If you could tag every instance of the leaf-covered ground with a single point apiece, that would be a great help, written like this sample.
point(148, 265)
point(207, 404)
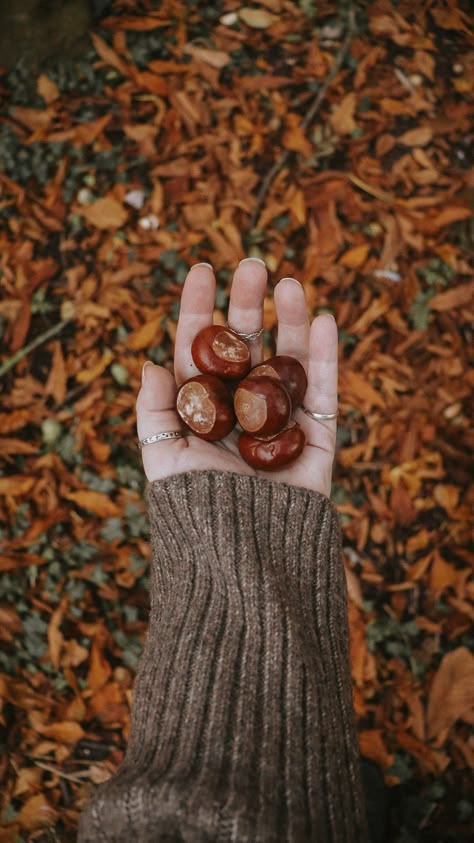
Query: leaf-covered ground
point(119, 171)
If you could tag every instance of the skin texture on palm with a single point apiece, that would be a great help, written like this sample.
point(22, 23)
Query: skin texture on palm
point(314, 344)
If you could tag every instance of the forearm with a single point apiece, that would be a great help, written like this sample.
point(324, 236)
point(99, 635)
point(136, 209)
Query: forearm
point(242, 725)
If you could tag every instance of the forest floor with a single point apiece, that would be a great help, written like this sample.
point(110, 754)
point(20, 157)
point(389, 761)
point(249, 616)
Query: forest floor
point(120, 169)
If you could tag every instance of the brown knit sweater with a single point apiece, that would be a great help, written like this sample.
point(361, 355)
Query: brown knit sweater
point(242, 722)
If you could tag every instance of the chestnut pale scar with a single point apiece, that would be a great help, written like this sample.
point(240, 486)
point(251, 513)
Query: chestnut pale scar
point(250, 409)
point(228, 347)
point(195, 408)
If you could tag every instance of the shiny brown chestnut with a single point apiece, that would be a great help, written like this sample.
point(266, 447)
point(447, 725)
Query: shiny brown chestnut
point(262, 405)
point(205, 405)
point(220, 351)
point(272, 452)
point(287, 369)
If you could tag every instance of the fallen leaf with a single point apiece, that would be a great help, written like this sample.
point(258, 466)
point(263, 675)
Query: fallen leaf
point(256, 18)
point(416, 137)
point(342, 116)
point(355, 257)
point(95, 502)
point(452, 692)
point(453, 298)
point(105, 213)
point(36, 813)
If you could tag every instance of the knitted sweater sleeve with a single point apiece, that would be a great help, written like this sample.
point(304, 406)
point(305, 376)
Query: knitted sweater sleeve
point(242, 721)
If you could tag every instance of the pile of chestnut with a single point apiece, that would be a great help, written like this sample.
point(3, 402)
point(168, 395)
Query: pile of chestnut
point(261, 400)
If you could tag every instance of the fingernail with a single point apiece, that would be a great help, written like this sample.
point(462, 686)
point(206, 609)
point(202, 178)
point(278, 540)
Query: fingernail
point(147, 363)
point(259, 260)
point(201, 264)
point(288, 278)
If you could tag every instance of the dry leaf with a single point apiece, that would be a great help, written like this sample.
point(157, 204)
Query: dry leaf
point(256, 18)
point(452, 692)
point(416, 137)
point(36, 813)
point(355, 257)
point(342, 116)
point(95, 502)
point(105, 213)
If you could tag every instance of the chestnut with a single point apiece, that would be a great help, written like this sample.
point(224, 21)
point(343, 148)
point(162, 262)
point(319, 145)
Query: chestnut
point(287, 369)
point(262, 405)
point(205, 405)
point(220, 351)
point(272, 452)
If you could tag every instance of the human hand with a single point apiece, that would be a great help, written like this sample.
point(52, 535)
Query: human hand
point(314, 345)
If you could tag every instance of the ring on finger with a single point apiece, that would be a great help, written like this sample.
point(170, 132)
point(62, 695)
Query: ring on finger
point(254, 335)
point(321, 416)
point(157, 437)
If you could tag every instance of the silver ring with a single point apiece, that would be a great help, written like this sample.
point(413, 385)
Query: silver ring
point(321, 416)
point(157, 437)
point(248, 337)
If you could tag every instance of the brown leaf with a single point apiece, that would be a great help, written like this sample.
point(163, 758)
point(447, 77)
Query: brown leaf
point(416, 137)
point(355, 257)
point(36, 813)
point(96, 502)
point(16, 484)
point(105, 213)
point(256, 18)
point(371, 744)
point(100, 669)
point(55, 637)
point(57, 378)
point(47, 89)
point(453, 298)
point(342, 117)
point(448, 215)
point(149, 334)
point(452, 692)
point(66, 731)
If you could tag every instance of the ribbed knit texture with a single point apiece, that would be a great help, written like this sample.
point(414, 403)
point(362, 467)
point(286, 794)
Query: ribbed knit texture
point(242, 721)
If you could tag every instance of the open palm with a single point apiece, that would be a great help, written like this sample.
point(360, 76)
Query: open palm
point(314, 345)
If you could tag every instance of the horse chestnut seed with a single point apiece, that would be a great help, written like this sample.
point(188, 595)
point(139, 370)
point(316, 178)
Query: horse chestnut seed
point(205, 406)
point(262, 405)
point(219, 351)
point(287, 369)
point(272, 452)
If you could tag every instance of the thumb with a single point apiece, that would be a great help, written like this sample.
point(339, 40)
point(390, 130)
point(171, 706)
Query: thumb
point(156, 406)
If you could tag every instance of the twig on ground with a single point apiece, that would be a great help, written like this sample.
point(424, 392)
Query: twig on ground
point(39, 340)
point(310, 115)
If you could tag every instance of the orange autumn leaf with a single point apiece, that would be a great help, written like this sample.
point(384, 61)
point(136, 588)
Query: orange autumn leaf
point(105, 213)
point(36, 813)
point(96, 502)
point(47, 89)
point(355, 257)
point(57, 379)
point(16, 484)
point(452, 692)
point(371, 744)
point(342, 116)
point(447, 496)
point(55, 637)
point(100, 669)
point(88, 375)
point(453, 298)
point(66, 731)
point(416, 137)
point(149, 334)
point(359, 391)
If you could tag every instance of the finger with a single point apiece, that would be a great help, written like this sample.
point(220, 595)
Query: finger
point(293, 320)
point(156, 413)
point(249, 287)
point(196, 312)
point(321, 393)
